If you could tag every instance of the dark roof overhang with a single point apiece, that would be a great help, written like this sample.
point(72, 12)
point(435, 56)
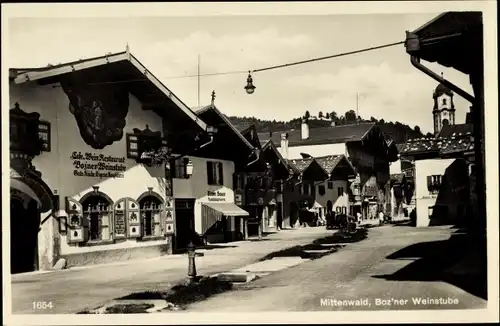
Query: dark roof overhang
point(452, 39)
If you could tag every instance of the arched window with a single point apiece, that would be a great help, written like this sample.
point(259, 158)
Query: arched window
point(444, 101)
point(151, 208)
point(97, 215)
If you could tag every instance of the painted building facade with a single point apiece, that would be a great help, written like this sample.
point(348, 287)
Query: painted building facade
point(84, 197)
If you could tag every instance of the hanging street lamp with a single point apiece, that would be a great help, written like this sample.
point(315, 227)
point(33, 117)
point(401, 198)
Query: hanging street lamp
point(249, 88)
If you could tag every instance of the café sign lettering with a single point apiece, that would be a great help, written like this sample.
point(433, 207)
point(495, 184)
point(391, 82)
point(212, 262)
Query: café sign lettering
point(216, 195)
point(97, 165)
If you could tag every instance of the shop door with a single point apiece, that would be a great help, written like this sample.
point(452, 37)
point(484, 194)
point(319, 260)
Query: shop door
point(24, 224)
point(184, 223)
point(279, 215)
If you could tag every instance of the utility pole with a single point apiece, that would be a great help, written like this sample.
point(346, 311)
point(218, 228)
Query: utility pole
point(198, 79)
point(357, 108)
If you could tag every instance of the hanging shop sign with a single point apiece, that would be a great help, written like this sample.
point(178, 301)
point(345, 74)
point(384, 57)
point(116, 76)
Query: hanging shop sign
point(97, 165)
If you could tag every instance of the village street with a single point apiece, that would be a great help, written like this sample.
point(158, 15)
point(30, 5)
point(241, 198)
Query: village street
point(76, 289)
point(359, 271)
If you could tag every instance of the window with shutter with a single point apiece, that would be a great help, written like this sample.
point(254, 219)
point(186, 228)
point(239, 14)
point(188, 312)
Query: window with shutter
point(221, 174)
point(97, 216)
point(210, 175)
point(150, 210)
point(75, 230)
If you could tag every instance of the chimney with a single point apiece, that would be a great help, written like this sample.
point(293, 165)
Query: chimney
point(304, 129)
point(284, 144)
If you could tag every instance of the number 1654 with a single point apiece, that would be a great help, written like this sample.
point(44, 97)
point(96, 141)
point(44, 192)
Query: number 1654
point(42, 305)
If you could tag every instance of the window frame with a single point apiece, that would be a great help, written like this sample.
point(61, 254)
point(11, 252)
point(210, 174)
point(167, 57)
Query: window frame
point(215, 173)
point(87, 240)
point(159, 209)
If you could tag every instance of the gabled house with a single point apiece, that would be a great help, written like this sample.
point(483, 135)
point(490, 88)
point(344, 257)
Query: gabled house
point(443, 173)
point(332, 195)
point(78, 188)
point(365, 146)
point(217, 216)
point(261, 186)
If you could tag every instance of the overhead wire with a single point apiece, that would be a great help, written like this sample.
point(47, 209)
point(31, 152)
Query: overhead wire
point(236, 72)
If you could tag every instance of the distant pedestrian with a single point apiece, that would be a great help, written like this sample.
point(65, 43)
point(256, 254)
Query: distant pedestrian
point(381, 217)
point(358, 217)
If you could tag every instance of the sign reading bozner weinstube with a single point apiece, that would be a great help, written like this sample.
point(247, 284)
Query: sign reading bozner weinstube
point(97, 165)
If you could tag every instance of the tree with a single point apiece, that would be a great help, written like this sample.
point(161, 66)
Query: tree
point(417, 129)
point(350, 116)
point(320, 114)
point(372, 119)
point(327, 115)
point(382, 121)
point(307, 115)
point(429, 135)
point(334, 116)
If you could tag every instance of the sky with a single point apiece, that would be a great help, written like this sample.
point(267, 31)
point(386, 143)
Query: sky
point(389, 87)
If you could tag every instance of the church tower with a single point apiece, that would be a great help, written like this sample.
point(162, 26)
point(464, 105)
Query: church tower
point(444, 108)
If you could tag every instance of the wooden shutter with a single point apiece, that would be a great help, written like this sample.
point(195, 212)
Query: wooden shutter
point(429, 182)
point(235, 181)
point(210, 176)
point(76, 231)
point(221, 173)
point(132, 146)
point(157, 225)
point(133, 218)
point(75, 212)
point(120, 220)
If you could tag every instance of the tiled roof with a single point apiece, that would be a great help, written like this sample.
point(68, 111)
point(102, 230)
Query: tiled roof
point(443, 145)
point(328, 163)
point(301, 164)
point(456, 130)
point(323, 135)
point(457, 146)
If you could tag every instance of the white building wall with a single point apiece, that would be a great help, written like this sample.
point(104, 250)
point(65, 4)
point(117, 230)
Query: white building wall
point(395, 167)
point(423, 198)
point(333, 195)
point(196, 187)
point(58, 168)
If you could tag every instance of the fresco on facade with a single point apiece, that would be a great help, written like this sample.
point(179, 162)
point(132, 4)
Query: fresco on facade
point(99, 111)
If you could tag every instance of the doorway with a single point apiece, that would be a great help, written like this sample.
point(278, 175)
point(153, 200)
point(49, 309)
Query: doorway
point(184, 223)
point(279, 215)
point(294, 214)
point(24, 225)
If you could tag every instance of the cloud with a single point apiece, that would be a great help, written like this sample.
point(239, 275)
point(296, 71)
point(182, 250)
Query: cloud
point(388, 85)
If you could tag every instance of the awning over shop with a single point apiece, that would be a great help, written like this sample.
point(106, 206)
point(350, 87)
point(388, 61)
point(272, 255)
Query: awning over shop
point(228, 209)
point(213, 212)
